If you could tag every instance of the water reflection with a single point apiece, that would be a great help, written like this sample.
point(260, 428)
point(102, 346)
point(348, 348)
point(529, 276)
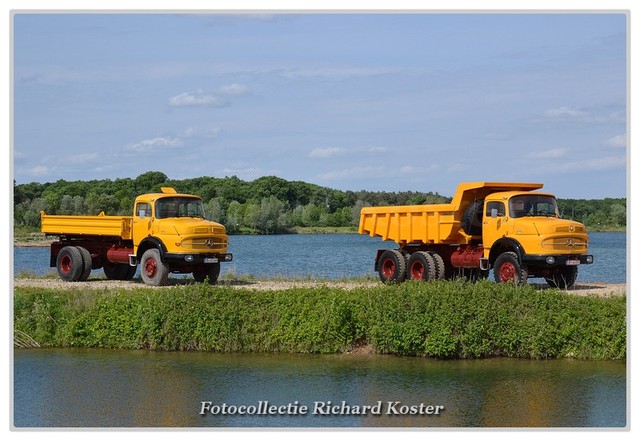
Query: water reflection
point(103, 388)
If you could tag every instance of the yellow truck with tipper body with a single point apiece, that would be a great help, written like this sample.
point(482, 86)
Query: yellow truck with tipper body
point(505, 226)
point(166, 234)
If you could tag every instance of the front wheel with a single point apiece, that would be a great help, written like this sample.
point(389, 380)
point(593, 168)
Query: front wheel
point(507, 268)
point(563, 277)
point(204, 272)
point(153, 271)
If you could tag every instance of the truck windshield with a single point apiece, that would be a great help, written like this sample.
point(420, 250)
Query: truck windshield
point(179, 207)
point(533, 205)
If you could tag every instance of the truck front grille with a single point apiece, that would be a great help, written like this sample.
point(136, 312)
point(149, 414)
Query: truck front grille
point(218, 244)
point(565, 245)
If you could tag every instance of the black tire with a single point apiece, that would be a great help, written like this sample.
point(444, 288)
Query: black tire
point(69, 264)
point(472, 218)
point(507, 268)
point(392, 266)
point(421, 266)
point(119, 271)
point(153, 271)
point(563, 277)
point(87, 263)
point(209, 272)
point(439, 265)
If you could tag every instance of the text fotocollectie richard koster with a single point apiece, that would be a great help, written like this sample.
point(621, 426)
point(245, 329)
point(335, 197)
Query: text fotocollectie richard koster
point(321, 408)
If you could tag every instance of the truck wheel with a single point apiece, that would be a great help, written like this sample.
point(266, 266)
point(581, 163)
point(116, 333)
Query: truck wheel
point(69, 264)
point(508, 269)
point(153, 271)
point(392, 266)
point(87, 263)
point(563, 277)
point(119, 271)
point(211, 271)
point(472, 218)
point(439, 265)
point(421, 266)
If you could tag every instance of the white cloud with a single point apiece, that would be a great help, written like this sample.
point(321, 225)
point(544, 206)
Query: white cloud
point(589, 165)
point(332, 152)
point(412, 169)
point(328, 152)
point(356, 172)
point(197, 98)
point(201, 98)
point(82, 158)
point(149, 145)
point(195, 132)
point(234, 89)
point(619, 141)
point(565, 113)
point(549, 154)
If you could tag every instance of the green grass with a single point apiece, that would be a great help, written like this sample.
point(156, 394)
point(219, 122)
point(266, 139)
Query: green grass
point(440, 319)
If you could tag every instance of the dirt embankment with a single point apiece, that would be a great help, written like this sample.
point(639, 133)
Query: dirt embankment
point(584, 289)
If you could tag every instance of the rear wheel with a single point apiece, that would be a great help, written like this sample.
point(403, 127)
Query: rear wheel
point(563, 277)
point(69, 264)
point(421, 266)
point(154, 272)
point(439, 265)
point(392, 266)
point(507, 268)
point(86, 263)
point(210, 271)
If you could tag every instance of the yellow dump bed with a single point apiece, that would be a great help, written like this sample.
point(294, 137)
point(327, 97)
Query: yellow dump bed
point(432, 224)
point(101, 225)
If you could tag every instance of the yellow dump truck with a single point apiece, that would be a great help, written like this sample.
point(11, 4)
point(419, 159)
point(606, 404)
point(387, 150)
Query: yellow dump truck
point(505, 226)
point(166, 234)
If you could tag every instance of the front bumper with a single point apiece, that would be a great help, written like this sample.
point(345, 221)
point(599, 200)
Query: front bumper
point(552, 260)
point(195, 259)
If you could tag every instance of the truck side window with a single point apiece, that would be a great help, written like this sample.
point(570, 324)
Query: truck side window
point(143, 210)
point(497, 206)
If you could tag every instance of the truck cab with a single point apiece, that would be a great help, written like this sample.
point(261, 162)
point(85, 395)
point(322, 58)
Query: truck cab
point(527, 226)
point(174, 225)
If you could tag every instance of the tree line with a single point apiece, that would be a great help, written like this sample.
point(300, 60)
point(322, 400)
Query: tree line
point(266, 205)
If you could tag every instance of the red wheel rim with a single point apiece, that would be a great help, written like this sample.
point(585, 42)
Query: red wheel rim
point(388, 268)
point(507, 272)
point(417, 270)
point(150, 267)
point(66, 264)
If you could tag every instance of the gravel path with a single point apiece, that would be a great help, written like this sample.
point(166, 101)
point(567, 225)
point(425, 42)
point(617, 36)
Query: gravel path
point(597, 289)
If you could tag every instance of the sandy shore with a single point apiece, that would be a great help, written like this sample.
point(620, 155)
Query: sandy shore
point(584, 289)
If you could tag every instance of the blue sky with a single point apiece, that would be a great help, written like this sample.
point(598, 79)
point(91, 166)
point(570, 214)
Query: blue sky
point(388, 102)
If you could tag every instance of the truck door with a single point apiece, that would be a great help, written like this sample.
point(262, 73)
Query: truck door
point(142, 219)
point(493, 223)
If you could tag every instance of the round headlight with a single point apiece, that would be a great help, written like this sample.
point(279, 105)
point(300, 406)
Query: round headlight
point(189, 258)
point(550, 260)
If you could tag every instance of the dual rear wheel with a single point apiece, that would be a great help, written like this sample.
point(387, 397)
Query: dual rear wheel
point(74, 264)
point(395, 266)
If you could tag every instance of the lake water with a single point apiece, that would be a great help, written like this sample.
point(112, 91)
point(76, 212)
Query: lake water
point(340, 256)
point(105, 388)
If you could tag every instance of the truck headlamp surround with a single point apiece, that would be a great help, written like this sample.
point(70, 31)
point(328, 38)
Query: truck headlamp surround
point(189, 258)
point(550, 260)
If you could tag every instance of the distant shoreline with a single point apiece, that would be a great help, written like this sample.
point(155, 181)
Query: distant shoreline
point(39, 240)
